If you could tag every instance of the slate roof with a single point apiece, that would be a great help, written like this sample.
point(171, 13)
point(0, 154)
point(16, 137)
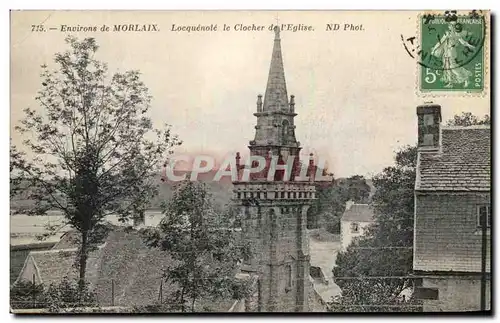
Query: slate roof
point(462, 165)
point(123, 258)
point(359, 213)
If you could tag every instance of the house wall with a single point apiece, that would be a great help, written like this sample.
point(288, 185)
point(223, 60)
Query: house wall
point(446, 233)
point(347, 236)
point(18, 255)
point(28, 271)
point(456, 293)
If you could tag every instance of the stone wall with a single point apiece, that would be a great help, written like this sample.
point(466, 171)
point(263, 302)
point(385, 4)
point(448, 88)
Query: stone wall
point(456, 293)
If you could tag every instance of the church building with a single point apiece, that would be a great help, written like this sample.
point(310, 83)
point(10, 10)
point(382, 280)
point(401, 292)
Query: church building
point(274, 212)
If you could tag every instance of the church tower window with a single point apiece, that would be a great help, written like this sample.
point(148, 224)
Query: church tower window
point(288, 273)
point(284, 131)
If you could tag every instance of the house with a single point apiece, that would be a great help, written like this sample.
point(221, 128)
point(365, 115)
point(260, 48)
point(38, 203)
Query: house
point(122, 271)
point(354, 222)
point(26, 230)
point(452, 197)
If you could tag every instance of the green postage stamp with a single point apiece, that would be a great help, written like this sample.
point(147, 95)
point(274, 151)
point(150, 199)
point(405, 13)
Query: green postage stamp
point(452, 52)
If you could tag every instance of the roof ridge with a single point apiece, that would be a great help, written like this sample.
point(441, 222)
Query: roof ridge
point(52, 250)
point(62, 250)
point(466, 127)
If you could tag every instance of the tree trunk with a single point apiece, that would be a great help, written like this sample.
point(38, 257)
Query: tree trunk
point(82, 262)
point(182, 299)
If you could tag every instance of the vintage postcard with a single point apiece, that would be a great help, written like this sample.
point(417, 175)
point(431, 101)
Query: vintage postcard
point(250, 161)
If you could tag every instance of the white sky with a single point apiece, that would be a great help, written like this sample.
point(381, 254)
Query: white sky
point(355, 91)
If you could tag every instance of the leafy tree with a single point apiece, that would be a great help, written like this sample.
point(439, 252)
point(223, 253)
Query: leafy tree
point(373, 271)
point(467, 119)
point(92, 147)
point(358, 190)
point(203, 244)
point(327, 209)
point(15, 183)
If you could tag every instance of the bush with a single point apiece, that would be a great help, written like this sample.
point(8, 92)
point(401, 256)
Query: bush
point(58, 297)
point(24, 294)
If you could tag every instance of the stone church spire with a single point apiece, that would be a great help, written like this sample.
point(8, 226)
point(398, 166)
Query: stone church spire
point(275, 127)
point(276, 97)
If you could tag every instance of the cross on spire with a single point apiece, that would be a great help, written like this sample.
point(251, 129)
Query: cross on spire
point(277, 28)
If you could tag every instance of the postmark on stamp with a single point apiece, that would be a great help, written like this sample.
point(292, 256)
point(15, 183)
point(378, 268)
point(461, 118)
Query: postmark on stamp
point(450, 52)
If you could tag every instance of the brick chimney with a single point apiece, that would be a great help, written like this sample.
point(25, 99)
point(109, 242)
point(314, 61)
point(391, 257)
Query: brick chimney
point(429, 127)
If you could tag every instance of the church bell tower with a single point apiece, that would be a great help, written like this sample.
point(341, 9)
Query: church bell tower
point(274, 212)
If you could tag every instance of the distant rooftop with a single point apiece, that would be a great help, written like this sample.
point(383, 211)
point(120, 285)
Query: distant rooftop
point(123, 262)
point(359, 212)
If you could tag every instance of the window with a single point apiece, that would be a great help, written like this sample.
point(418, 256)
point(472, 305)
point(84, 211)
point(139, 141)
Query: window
point(288, 277)
point(274, 223)
point(482, 212)
point(354, 227)
point(422, 293)
point(284, 130)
